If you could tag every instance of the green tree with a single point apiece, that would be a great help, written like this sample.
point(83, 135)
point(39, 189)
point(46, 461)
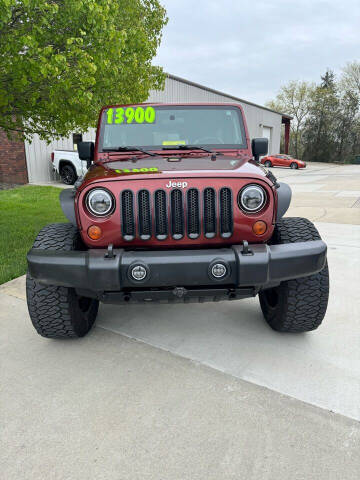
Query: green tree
point(326, 117)
point(320, 126)
point(350, 80)
point(348, 126)
point(61, 60)
point(294, 99)
point(349, 119)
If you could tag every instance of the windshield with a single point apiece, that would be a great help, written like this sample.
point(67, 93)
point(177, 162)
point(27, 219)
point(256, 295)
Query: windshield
point(156, 127)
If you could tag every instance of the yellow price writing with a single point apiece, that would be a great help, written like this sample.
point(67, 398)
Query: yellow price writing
point(137, 170)
point(130, 115)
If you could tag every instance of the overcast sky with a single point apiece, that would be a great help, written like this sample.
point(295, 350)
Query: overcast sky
point(249, 48)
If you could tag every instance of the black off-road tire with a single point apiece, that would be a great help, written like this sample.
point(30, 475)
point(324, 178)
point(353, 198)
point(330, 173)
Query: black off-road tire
point(68, 174)
point(293, 165)
point(58, 312)
point(268, 164)
point(296, 305)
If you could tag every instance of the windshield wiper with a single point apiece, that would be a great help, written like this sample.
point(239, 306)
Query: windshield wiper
point(188, 147)
point(128, 149)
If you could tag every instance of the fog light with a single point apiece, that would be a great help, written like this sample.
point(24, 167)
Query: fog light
point(218, 270)
point(94, 232)
point(138, 273)
point(259, 227)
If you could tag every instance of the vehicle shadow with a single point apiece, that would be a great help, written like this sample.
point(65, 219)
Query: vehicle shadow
point(229, 336)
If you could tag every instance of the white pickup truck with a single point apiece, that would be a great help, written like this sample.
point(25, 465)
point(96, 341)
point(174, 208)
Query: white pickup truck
point(68, 165)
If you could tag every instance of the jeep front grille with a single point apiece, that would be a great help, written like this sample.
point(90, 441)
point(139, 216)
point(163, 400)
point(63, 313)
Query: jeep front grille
point(209, 213)
point(128, 220)
point(161, 215)
point(177, 213)
point(226, 213)
point(144, 214)
point(193, 213)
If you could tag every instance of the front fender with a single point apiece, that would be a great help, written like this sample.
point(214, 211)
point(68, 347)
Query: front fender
point(284, 198)
point(67, 202)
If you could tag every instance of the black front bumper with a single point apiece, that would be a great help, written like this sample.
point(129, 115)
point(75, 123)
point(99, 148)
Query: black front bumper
point(178, 271)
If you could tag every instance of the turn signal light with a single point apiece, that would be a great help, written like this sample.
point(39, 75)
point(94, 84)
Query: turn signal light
point(259, 227)
point(94, 232)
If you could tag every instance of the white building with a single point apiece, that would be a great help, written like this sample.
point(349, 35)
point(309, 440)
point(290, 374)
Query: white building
point(261, 121)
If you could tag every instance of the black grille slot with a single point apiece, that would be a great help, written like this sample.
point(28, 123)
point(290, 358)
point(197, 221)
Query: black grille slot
point(128, 220)
point(144, 215)
point(161, 217)
point(193, 213)
point(209, 213)
point(177, 215)
point(226, 212)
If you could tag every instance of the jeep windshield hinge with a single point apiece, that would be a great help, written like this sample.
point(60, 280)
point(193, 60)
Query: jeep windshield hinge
point(273, 179)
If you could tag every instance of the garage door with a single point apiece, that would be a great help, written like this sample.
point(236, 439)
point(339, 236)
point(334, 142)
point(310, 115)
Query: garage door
point(267, 134)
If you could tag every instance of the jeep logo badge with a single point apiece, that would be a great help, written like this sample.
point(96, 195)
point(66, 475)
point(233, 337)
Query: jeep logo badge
point(176, 184)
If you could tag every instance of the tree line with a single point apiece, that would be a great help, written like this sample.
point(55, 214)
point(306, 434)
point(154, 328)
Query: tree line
point(326, 116)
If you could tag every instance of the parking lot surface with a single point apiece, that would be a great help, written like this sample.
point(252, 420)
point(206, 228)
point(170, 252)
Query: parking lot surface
point(324, 192)
point(196, 391)
point(322, 368)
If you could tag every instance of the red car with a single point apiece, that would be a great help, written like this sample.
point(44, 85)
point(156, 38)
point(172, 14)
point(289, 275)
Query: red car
point(282, 161)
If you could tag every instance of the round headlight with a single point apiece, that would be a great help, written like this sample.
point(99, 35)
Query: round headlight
point(252, 198)
point(99, 202)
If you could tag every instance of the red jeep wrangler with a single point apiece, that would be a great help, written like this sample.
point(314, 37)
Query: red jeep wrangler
point(175, 207)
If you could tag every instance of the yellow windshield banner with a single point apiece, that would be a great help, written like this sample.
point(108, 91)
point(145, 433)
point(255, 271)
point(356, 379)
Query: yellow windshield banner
point(174, 142)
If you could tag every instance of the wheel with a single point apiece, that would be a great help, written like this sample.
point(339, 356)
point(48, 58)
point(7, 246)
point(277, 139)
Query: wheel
point(68, 174)
point(293, 165)
point(58, 312)
point(297, 305)
point(268, 164)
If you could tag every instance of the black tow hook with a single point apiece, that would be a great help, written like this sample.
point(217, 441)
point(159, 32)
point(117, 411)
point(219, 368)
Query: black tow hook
point(246, 250)
point(110, 252)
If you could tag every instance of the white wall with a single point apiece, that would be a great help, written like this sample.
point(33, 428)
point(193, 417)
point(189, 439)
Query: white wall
point(38, 156)
point(256, 117)
point(38, 152)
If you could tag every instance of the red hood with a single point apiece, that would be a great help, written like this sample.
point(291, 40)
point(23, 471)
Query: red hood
point(175, 167)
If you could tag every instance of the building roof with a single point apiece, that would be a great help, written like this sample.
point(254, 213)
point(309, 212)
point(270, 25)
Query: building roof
point(203, 87)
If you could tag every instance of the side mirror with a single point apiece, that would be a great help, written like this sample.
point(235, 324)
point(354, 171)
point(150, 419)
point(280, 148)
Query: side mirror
point(259, 146)
point(86, 151)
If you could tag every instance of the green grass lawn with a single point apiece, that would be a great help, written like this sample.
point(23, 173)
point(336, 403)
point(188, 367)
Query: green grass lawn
point(23, 212)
